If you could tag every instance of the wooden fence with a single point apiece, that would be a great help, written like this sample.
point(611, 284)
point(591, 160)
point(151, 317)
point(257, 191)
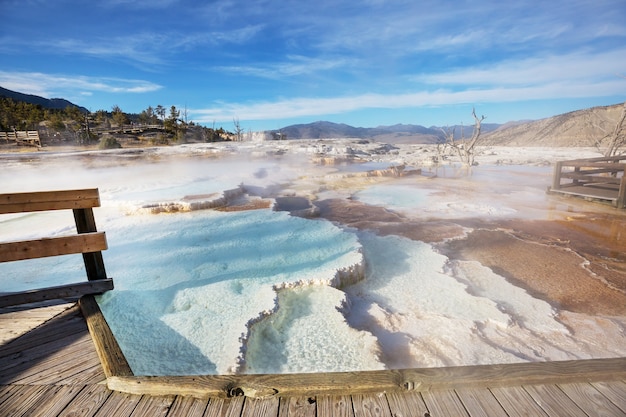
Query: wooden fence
point(88, 241)
point(20, 137)
point(601, 178)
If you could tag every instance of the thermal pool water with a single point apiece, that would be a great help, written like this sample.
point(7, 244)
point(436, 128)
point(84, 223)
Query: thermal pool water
point(201, 291)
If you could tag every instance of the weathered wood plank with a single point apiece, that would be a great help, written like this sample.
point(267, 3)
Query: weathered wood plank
point(87, 402)
point(68, 322)
point(585, 177)
point(614, 391)
point(22, 398)
point(590, 400)
point(334, 406)
point(61, 396)
point(297, 406)
point(119, 405)
point(54, 246)
point(219, 407)
point(253, 407)
point(338, 383)
point(61, 291)
point(38, 352)
point(49, 200)
point(480, 402)
point(585, 163)
point(57, 369)
point(554, 401)
point(517, 402)
point(373, 405)
point(410, 404)
point(113, 361)
point(77, 349)
point(153, 406)
point(444, 403)
point(188, 407)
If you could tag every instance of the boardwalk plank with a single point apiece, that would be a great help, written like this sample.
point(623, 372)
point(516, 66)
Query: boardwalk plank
point(372, 405)
point(57, 402)
point(334, 406)
point(66, 323)
point(480, 402)
point(253, 407)
point(219, 407)
point(297, 407)
point(22, 398)
point(517, 402)
point(43, 354)
point(87, 402)
point(614, 391)
point(87, 376)
point(444, 403)
point(6, 391)
point(554, 401)
point(407, 404)
point(153, 406)
point(119, 405)
point(587, 397)
point(188, 407)
point(56, 368)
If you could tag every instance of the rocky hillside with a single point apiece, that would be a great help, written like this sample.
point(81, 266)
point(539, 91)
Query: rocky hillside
point(577, 128)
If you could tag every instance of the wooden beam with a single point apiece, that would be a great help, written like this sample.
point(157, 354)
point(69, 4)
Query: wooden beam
point(49, 200)
point(111, 356)
point(61, 291)
point(583, 177)
point(584, 163)
point(41, 248)
point(339, 383)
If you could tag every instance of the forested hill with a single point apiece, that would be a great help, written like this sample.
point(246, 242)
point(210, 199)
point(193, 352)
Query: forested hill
point(46, 103)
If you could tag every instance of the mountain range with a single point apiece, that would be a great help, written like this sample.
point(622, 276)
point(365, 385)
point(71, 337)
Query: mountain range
point(46, 103)
point(399, 133)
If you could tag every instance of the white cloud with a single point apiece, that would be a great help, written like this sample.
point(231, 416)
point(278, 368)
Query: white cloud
point(293, 65)
point(52, 85)
point(299, 107)
point(575, 68)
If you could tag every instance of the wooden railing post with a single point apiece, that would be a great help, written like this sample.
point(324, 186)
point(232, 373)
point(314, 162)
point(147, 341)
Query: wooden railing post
point(621, 195)
point(556, 180)
point(94, 264)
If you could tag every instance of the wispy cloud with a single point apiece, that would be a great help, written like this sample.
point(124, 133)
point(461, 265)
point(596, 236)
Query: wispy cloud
point(52, 85)
point(574, 68)
point(311, 107)
point(293, 65)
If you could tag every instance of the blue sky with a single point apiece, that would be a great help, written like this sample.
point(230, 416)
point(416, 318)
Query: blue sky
point(273, 63)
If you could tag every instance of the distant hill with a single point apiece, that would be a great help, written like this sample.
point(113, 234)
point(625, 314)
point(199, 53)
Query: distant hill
point(46, 103)
point(577, 128)
point(399, 133)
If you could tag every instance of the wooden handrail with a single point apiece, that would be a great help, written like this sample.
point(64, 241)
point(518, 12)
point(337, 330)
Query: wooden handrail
point(88, 242)
point(55, 246)
point(49, 200)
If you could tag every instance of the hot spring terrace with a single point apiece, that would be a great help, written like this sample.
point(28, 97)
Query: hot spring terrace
point(61, 359)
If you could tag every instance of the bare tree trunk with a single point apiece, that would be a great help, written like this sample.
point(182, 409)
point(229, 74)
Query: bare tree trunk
point(465, 149)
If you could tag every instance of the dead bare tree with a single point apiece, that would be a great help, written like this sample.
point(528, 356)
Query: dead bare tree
point(238, 130)
point(466, 148)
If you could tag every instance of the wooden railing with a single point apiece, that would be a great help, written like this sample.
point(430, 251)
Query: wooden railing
point(29, 137)
point(87, 241)
point(601, 178)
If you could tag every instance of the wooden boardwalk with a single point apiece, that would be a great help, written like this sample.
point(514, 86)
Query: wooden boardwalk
point(601, 179)
point(49, 367)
